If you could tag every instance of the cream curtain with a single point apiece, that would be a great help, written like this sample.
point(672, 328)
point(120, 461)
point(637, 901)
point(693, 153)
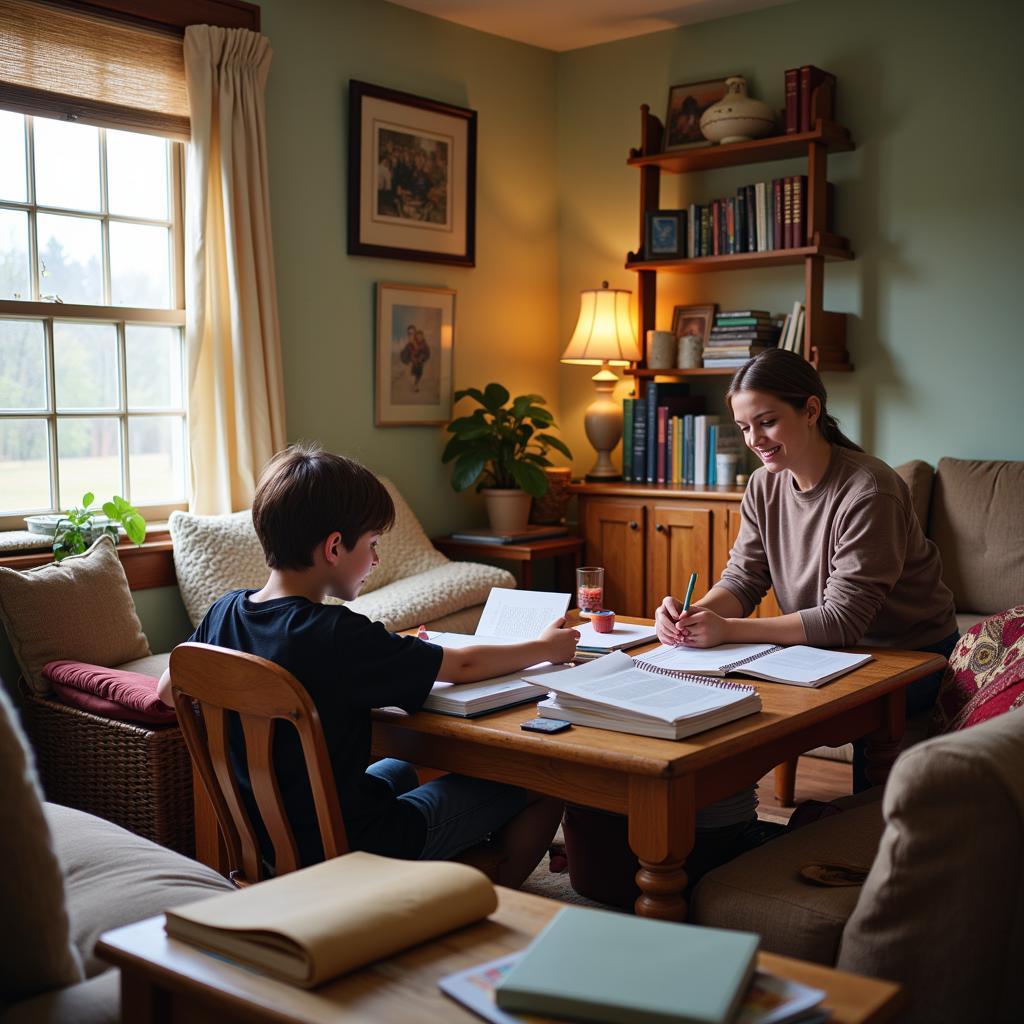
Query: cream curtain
point(236, 393)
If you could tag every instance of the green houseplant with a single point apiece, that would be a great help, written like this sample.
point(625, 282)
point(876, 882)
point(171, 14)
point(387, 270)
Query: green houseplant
point(77, 528)
point(502, 448)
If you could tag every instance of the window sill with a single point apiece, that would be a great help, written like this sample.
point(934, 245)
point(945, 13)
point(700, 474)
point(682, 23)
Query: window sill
point(147, 566)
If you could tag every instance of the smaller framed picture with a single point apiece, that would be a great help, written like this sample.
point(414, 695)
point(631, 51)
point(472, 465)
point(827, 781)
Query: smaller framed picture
point(665, 234)
point(694, 320)
point(415, 338)
point(686, 103)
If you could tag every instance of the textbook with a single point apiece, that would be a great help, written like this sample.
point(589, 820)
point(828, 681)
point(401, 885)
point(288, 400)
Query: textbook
point(499, 537)
point(616, 692)
point(603, 966)
point(312, 925)
point(797, 665)
point(623, 636)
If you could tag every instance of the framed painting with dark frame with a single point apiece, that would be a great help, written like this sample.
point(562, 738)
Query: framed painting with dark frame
point(412, 177)
point(686, 104)
point(694, 320)
point(415, 338)
point(664, 234)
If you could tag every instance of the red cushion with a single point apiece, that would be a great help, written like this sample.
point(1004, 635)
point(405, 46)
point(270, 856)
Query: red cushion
point(126, 696)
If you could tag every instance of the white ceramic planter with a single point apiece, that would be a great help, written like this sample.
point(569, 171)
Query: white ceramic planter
point(736, 117)
point(508, 510)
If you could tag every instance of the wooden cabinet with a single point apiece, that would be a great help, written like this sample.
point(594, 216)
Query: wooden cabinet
point(650, 538)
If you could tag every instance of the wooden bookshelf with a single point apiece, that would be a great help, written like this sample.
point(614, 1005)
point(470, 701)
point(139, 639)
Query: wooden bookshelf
point(743, 260)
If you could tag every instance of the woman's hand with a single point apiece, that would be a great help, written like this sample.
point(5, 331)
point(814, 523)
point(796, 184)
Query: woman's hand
point(701, 627)
point(665, 619)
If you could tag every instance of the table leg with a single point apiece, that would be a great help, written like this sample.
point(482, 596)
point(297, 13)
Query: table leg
point(526, 575)
point(882, 747)
point(661, 834)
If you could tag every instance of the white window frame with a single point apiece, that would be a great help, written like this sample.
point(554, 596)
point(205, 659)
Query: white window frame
point(118, 316)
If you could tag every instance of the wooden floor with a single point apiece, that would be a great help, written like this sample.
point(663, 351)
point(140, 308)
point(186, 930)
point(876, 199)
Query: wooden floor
point(816, 779)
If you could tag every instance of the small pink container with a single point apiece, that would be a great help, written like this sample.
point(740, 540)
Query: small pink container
point(603, 620)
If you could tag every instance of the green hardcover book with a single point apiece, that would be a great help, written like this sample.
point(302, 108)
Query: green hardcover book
point(627, 438)
point(601, 966)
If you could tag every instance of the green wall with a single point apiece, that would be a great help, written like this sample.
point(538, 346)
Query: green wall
point(931, 201)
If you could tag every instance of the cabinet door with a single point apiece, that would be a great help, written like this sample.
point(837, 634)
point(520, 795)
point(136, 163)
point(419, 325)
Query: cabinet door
point(731, 524)
point(614, 531)
point(679, 542)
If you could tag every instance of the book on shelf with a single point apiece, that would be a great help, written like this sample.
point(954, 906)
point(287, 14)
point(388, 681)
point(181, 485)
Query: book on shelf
point(483, 536)
point(811, 79)
point(586, 963)
point(675, 397)
point(779, 236)
point(725, 363)
point(623, 636)
point(627, 438)
point(742, 314)
point(312, 925)
point(625, 695)
point(700, 452)
point(798, 665)
point(792, 101)
point(746, 351)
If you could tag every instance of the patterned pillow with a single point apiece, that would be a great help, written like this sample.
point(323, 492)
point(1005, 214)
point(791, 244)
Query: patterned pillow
point(985, 676)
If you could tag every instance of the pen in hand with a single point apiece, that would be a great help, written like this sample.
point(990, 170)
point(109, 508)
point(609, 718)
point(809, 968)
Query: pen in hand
point(689, 591)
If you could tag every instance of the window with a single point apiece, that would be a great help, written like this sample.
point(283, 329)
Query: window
point(92, 393)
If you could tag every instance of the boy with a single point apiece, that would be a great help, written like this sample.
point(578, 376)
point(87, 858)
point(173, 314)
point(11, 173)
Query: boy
point(319, 517)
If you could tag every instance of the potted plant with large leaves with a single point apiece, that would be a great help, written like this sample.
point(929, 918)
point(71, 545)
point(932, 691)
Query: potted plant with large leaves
point(502, 448)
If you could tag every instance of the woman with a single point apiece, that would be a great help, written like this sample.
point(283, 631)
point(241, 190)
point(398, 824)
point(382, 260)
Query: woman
point(830, 528)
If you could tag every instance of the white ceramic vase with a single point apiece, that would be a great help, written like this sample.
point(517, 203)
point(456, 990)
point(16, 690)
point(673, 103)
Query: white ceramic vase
point(508, 509)
point(737, 117)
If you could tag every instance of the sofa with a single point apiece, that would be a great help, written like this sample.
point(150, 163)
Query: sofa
point(67, 877)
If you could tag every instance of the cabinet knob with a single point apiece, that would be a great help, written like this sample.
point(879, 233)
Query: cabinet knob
point(659, 528)
point(633, 524)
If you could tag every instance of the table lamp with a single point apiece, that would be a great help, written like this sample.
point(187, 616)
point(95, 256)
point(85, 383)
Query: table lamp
point(603, 337)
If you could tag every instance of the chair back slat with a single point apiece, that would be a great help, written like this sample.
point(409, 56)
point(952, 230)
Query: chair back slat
point(221, 680)
point(259, 741)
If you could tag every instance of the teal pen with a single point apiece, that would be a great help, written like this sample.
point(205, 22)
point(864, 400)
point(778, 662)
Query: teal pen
point(689, 591)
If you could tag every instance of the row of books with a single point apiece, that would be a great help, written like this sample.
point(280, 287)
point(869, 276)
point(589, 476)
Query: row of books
point(804, 85)
point(791, 337)
point(668, 439)
point(738, 335)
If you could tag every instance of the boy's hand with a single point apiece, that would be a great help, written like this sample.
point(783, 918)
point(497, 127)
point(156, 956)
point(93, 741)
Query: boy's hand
point(559, 642)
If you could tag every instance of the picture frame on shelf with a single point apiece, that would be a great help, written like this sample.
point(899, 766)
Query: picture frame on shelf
point(664, 234)
point(415, 342)
point(686, 104)
point(694, 320)
point(412, 177)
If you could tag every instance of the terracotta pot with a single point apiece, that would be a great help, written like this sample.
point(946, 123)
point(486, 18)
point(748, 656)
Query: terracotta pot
point(550, 508)
point(508, 509)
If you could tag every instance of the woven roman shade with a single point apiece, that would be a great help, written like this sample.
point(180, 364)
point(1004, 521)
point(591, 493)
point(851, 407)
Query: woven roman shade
point(79, 66)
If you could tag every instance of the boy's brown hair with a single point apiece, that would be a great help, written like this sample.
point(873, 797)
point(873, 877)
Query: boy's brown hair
point(305, 494)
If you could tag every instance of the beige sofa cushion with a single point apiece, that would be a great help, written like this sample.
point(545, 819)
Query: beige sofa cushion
point(96, 1001)
point(942, 910)
point(36, 953)
point(80, 608)
point(918, 476)
point(762, 892)
point(977, 511)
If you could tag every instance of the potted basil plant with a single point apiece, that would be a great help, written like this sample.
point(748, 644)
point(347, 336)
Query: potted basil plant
point(77, 528)
point(502, 448)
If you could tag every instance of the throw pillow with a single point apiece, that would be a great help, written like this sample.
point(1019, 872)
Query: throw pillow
point(79, 608)
point(36, 954)
point(109, 692)
point(985, 675)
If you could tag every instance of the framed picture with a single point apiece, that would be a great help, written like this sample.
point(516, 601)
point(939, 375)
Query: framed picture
point(415, 335)
point(411, 177)
point(664, 234)
point(693, 320)
point(686, 103)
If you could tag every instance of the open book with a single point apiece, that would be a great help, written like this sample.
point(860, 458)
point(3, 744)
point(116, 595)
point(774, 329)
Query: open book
point(619, 693)
point(623, 636)
point(312, 925)
point(509, 617)
point(798, 665)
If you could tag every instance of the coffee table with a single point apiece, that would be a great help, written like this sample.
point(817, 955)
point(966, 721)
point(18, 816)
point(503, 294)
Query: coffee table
point(169, 982)
point(661, 784)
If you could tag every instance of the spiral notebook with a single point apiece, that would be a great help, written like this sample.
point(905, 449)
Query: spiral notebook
point(798, 665)
point(624, 695)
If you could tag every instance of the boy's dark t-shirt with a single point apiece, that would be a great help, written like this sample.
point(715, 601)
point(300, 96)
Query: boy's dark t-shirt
point(349, 665)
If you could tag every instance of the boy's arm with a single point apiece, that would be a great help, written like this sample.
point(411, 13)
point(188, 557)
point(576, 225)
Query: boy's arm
point(556, 644)
point(163, 688)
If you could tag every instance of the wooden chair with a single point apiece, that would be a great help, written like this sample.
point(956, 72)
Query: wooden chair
point(260, 692)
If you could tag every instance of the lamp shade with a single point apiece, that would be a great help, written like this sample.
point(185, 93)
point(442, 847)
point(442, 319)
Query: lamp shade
point(604, 330)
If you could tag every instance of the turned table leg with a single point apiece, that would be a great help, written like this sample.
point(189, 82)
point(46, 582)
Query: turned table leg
point(661, 834)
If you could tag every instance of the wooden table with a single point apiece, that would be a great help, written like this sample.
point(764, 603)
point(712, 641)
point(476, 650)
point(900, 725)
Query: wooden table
point(565, 549)
point(172, 983)
point(661, 784)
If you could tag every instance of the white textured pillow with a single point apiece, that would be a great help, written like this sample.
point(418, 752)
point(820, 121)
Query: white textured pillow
point(79, 609)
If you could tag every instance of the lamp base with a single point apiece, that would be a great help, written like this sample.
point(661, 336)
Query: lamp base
point(603, 425)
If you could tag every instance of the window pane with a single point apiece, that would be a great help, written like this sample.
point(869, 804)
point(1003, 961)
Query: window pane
point(12, 157)
point(140, 266)
point(22, 364)
point(67, 164)
point(156, 459)
point(14, 276)
point(89, 459)
point(137, 175)
point(24, 466)
point(70, 259)
point(85, 366)
point(153, 357)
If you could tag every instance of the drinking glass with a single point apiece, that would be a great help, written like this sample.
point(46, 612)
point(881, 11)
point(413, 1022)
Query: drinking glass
point(589, 589)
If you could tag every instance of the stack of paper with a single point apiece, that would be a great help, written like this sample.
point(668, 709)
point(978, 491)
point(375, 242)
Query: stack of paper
point(623, 636)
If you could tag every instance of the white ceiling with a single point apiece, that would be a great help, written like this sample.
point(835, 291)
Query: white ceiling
point(569, 24)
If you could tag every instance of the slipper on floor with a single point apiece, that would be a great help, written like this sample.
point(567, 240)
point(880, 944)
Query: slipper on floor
point(836, 874)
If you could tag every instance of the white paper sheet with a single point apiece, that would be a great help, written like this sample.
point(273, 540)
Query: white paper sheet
point(520, 614)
